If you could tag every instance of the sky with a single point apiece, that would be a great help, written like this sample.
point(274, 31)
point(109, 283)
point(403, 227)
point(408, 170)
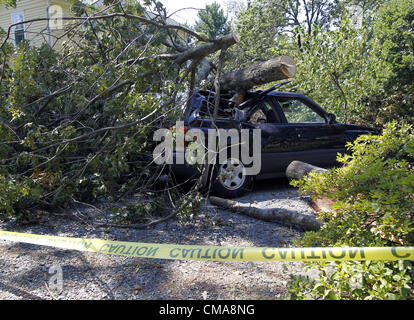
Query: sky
point(188, 15)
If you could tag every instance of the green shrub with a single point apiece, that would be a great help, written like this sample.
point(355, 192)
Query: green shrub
point(11, 193)
point(374, 206)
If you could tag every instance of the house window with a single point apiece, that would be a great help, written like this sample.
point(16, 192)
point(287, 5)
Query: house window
point(18, 30)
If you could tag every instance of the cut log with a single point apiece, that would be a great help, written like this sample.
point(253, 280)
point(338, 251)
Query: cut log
point(323, 205)
point(306, 222)
point(276, 69)
point(298, 169)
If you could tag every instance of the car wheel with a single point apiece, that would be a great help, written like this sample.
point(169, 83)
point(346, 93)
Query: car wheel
point(230, 180)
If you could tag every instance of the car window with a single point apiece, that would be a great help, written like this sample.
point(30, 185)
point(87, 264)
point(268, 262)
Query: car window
point(297, 111)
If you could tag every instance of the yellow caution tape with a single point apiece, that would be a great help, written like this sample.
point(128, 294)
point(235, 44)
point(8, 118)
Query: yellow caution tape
point(212, 253)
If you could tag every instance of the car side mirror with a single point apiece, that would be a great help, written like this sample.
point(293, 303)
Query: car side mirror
point(331, 118)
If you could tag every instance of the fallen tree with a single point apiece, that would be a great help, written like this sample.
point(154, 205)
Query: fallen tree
point(84, 131)
point(296, 170)
point(275, 69)
point(306, 222)
point(241, 80)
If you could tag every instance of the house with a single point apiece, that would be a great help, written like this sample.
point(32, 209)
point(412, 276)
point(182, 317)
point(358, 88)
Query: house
point(42, 31)
point(37, 32)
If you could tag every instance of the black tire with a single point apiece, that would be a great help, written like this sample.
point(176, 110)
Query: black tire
point(233, 184)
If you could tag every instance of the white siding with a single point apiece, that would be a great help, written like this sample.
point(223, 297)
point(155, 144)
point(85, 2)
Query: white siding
point(32, 9)
point(36, 32)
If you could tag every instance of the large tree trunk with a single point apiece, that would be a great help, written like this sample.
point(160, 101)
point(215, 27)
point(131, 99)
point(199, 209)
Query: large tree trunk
point(307, 223)
point(279, 68)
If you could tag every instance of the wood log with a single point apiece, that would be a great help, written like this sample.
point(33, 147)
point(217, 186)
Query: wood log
point(204, 50)
point(279, 68)
point(306, 222)
point(203, 71)
point(298, 169)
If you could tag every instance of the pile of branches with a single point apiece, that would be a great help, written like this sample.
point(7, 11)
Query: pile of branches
point(77, 123)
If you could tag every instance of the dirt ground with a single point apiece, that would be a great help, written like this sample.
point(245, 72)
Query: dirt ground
point(31, 271)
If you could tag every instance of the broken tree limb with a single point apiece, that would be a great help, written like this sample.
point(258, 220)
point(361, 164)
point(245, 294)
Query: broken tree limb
point(204, 50)
point(203, 71)
point(298, 169)
point(279, 68)
point(306, 222)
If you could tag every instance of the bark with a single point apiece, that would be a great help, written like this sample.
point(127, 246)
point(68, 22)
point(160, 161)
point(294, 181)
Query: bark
point(297, 170)
point(204, 50)
point(261, 73)
point(307, 223)
point(204, 70)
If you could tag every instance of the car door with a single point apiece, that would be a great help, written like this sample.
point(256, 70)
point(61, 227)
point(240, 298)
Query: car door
point(300, 132)
point(315, 141)
point(277, 139)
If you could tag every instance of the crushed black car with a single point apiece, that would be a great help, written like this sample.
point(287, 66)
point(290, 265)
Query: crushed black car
point(293, 127)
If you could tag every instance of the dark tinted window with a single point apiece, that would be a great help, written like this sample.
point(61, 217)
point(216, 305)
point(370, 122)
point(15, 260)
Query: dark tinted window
point(297, 111)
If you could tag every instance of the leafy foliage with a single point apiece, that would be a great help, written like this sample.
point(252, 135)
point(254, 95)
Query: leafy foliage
point(353, 280)
point(77, 124)
point(260, 28)
point(394, 29)
point(8, 3)
point(11, 193)
point(339, 69)
point(373, 190)
point(212, 22)
point(356, 70)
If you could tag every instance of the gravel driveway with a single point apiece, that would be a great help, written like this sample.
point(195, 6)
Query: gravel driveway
point(29, 271)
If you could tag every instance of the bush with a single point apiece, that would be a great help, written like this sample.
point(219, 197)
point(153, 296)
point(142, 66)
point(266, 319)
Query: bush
point(77, 124)
point(374, 202)
point(33, 128)
point(11, 193)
